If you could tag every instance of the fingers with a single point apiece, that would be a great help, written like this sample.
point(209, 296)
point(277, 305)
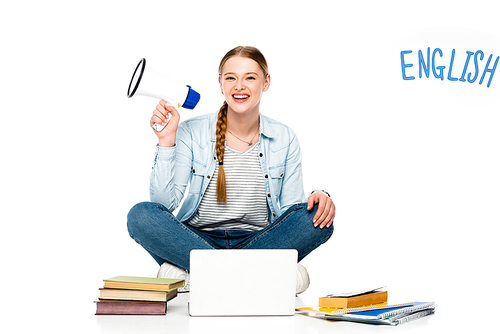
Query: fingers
point(172, 111)
point(310, 202)
point(163, 113)
point(160, 114)
point(329, 219)
point(321, 214)
point(326, 210)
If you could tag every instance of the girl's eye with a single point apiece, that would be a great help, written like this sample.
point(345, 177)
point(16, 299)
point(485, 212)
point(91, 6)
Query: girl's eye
point(251, 78)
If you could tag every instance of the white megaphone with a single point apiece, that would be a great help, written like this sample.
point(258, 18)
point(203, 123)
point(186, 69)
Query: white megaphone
point(145, 81)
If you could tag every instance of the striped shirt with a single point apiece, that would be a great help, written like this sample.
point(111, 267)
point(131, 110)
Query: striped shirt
point(246, 207)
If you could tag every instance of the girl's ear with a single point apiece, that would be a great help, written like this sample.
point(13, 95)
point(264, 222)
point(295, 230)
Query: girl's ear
point(267, 83)
point(220, 84)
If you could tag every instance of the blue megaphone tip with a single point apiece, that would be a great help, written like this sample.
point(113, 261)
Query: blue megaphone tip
point(192, 99)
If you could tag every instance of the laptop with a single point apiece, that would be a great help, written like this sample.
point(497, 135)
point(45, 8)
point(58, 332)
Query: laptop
point(242, 282)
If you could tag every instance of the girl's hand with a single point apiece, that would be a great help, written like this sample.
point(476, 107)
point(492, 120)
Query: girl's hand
point(165, 114)
point(326, 209)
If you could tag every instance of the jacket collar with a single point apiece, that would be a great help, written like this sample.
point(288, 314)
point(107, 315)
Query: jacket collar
point(265, 127)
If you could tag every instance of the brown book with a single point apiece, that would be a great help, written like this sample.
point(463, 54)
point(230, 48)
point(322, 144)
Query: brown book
point(144, 295)
point(143, 283)
point(355, 301)
point(122, 307)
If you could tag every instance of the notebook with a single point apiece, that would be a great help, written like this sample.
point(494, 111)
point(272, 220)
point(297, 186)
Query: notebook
point(242, 282)
point(379, 315)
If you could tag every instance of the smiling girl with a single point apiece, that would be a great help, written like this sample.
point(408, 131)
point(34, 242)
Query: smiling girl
point(243, 176)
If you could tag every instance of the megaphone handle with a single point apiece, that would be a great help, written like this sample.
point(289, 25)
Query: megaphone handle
point(158, 127)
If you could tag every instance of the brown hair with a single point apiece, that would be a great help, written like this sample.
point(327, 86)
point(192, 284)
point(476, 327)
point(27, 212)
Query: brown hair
point(258, 57)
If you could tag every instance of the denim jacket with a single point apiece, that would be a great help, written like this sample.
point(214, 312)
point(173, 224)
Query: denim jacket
point(192, 162)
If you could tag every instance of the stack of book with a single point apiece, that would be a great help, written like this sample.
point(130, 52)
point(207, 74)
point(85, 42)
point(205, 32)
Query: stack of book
point(367, 306)
point(133, 295)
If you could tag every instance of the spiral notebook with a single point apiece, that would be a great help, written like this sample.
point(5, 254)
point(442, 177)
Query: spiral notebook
point(384, 314)
point(340, 311)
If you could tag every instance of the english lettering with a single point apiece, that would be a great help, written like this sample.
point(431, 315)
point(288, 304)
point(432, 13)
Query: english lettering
point(426, 63)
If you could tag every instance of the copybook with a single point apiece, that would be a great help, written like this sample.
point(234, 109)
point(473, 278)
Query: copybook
point(339, 311)
point(393, 315)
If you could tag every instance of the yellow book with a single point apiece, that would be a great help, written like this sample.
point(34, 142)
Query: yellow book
point(375, 297)
point(143, 283)
point(132, 294)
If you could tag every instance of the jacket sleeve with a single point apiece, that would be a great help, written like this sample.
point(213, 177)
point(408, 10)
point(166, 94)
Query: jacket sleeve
point(172, 170)
point(292, 191)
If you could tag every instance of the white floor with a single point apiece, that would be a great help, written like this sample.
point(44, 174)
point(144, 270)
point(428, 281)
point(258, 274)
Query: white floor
point(60, 305)
point(178, 321)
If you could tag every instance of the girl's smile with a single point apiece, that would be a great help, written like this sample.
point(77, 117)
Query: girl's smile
point(240, 98)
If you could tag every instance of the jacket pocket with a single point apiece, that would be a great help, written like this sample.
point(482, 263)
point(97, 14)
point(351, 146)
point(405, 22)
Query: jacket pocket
point(276, 174)
point(197, 178)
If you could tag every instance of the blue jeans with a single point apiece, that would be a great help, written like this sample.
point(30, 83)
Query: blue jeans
point(168, 240)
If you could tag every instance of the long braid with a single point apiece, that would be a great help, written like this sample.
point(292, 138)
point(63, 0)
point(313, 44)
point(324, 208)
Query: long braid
point(221, 139)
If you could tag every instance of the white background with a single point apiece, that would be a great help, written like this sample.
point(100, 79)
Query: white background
point(411, 165)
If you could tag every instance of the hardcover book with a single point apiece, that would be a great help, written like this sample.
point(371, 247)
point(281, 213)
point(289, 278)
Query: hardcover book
point(143, 283)
point(370, 298)
point(144, 295)
point(122, 307)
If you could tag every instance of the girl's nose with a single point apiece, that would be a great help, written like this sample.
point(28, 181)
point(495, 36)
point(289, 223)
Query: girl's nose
point(239, 85)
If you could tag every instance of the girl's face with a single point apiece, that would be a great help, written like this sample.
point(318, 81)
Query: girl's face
point(242, 82)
